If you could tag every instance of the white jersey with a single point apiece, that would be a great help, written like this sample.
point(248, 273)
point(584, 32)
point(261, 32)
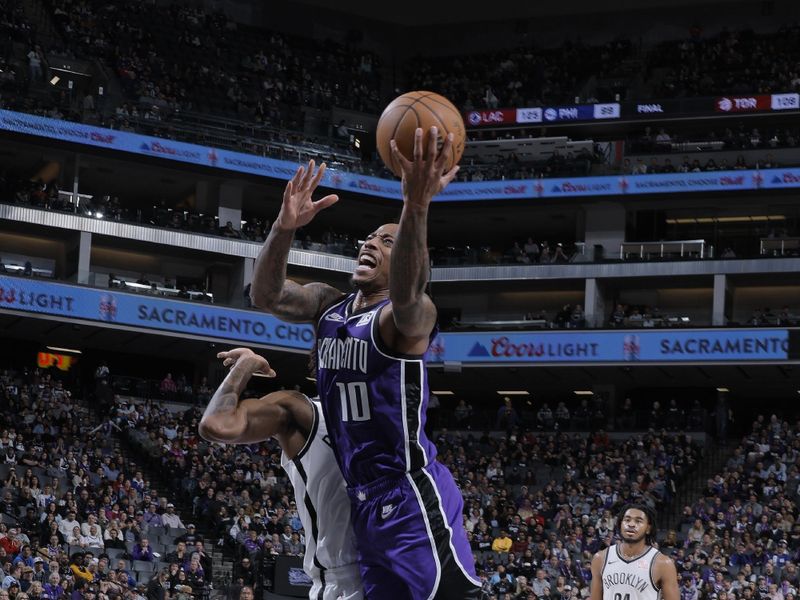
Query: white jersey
point(323, 505)
point(625, 579)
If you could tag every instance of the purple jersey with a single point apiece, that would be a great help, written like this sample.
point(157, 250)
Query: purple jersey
point(374, 401)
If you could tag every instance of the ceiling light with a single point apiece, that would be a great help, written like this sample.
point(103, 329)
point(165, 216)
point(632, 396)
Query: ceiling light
point(55, 80)
point(723, 389)
point(57, 349)
point(442, 392)
point(513, 393)
point(583, 392)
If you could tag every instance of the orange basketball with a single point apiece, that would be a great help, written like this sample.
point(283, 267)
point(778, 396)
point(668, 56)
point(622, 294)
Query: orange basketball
point(401, 118)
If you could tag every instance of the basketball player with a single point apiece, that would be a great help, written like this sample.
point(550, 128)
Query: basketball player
point(633, 569)
point(297, 423)
point(373, 387)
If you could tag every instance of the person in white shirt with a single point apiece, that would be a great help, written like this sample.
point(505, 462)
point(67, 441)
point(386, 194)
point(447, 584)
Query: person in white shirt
point(91, 520)
point(66, 526)
point(170, 519)
point(94, 539)
point(75, 538)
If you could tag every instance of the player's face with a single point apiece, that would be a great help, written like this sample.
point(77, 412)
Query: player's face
point(372, 270)
point(634, 526)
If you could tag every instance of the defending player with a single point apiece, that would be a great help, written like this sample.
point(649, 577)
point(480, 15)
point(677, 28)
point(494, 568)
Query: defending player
point(298, 425)
point(373, 385)
point(634, 569)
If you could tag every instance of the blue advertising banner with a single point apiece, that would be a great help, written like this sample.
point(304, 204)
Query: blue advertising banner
point(563, 187)
point(662, 345)
point(243, 326)
point(112, 307)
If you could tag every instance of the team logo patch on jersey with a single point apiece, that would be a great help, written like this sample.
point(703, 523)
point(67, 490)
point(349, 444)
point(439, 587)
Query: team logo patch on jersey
point(387, 510)
point(365, 319)
point(362, 497)
point(334, 317)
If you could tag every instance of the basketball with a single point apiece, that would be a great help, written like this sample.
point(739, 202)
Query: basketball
point(401, 118)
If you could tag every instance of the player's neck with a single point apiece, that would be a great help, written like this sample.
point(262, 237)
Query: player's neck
point(366, 298)
point(630, 551)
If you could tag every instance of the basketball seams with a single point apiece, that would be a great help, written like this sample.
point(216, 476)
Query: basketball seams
point(400, 121)
point(397, 124)
point(444, 128)
point(394, 134)
point(434, 105)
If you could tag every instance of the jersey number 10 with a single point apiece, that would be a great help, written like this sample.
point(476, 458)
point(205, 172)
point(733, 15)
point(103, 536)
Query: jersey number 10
point(355, 402)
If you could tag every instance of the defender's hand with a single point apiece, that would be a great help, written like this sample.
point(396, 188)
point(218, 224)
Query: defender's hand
point(248, 359)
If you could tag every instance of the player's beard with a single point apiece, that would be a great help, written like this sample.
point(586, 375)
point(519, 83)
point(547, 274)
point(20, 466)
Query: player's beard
point(634, 541)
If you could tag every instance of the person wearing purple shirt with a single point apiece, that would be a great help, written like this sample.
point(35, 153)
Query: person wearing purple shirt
point(252, 544)
point(143, 551)
point(373, 385)
point(52, 589)
point(152, 518)
point(781, 556)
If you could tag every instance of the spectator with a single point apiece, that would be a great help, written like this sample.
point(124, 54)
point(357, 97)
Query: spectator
point(195, 575)
point(35, 64)
point(506, 416)
point(151, 517)
point(158, 587)
point(244, 573)
point(502, 582)
point(170, 519)
point(143, 551)
point(540, 585)
point(502, 543)
point(168, 387)
point(462, 414)
point(78, 568)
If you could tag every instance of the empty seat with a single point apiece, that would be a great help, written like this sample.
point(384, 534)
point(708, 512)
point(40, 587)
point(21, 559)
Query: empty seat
point(143, 565)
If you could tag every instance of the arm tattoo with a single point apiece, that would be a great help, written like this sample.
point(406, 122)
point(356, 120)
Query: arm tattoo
point(284, 298)
point(226, 398)
point(410, 264)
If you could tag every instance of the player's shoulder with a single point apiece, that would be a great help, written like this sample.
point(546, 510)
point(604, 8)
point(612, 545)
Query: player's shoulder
point(601, 555)
point(662, 557)
point(663, 561)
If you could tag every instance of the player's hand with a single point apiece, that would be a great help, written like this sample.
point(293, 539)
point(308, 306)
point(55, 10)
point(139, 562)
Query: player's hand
point(424, 179)
point(298, 209)
point(247, 359)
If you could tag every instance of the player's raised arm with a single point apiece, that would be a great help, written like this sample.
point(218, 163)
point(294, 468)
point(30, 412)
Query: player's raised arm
point(666, 576)
point(270, 289)
point(227, 419)
point(597, 572)
point(413, 311)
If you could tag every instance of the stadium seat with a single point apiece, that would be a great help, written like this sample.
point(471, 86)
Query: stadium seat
point(114, 553)
point(143, 565)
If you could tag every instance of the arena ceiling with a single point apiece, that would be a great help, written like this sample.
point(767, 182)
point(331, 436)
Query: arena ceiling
point(424, 12)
